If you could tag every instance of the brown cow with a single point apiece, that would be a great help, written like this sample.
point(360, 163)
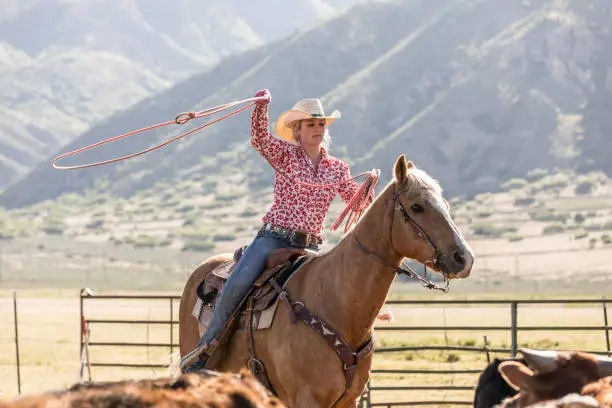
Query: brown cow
point(597, 394)
point(556, 375)
point(202, 390)
point(600, 390)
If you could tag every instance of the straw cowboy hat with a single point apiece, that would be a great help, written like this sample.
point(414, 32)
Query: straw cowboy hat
point(309, 108)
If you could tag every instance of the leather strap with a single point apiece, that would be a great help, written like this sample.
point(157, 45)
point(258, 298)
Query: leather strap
point(350, 358)
point(256, 365)
point(301, 238)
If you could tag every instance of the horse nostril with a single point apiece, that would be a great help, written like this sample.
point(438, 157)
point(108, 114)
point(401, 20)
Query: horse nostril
point(459, 259)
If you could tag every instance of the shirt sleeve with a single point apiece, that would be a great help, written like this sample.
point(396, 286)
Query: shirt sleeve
point(347, 190)
point(262, 139)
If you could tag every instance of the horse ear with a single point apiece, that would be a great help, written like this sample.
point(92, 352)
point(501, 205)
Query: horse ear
point(401, 169)
point(410, 165)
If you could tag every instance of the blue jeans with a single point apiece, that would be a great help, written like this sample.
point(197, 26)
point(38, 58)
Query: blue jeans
point(250, 266)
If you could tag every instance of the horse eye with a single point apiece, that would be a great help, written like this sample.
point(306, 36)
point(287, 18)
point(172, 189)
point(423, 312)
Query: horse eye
point(417, 208)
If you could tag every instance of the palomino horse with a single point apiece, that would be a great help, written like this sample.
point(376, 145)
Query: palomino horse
point(346, 288)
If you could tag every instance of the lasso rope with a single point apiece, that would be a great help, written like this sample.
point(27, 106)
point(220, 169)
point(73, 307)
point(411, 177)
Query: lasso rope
point(356, 205)
point(180, 119)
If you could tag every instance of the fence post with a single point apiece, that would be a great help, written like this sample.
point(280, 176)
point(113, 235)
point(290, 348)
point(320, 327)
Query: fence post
point(513, 332)
point(82, 318)
point(368, 397)
point(171, 329)
point(607, 331)
point(17, 342)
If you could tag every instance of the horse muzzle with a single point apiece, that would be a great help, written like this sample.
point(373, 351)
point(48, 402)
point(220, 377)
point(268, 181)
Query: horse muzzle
point(457, 263)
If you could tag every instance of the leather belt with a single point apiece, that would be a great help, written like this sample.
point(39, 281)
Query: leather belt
point(296, 237)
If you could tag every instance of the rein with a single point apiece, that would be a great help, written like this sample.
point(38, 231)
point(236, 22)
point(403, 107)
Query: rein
point(420, 233)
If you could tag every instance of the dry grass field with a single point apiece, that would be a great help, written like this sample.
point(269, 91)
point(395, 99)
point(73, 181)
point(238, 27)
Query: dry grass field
point(50, 356)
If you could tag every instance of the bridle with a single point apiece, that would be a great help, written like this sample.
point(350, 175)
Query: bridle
point(421, 234)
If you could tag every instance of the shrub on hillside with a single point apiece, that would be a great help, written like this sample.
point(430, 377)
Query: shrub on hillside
point(99, 200)
point(209, 206)
point(552, 183)
point(7, 235)
point(94, 225)
point(514, 184)
point(228, 236)
point(185, 208)
point(547, 215)
point(514, 238)
point(581, 235)
point(483, 197)
point(198, 246)
point(228, 196)
point(491, 230)
point(144, 241)
point(553, 229)
point(53, 229)
point(171, 202)
point(579, 218)
point(249, 212)
point(165, 242)
point(192, 234)
point(594, 227)
point(584, 187)
point(524, 201)
point(536, 174)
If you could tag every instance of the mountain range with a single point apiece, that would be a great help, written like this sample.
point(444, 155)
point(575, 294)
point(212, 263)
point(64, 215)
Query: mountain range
point(474, 91)
point(65, 65)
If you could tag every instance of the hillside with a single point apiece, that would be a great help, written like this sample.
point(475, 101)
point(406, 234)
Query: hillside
point(86, 60)
point(475, 104)
point(551, 231)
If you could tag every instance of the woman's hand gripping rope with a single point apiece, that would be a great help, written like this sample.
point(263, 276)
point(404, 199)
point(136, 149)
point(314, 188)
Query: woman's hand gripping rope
point(359, 202)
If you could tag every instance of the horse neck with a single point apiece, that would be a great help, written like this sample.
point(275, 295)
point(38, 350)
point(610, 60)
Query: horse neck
point(348, 286)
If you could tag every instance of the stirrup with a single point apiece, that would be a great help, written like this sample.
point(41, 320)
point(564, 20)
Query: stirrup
point(193, 356)
point(198, 365)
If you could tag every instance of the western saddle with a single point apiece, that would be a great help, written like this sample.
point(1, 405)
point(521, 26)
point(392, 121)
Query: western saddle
point(281, 265)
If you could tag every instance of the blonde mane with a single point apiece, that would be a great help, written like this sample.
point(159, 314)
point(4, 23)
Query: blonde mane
point(419, 181)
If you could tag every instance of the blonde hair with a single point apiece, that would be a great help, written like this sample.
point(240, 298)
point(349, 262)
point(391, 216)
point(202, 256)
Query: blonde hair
point(296, 128)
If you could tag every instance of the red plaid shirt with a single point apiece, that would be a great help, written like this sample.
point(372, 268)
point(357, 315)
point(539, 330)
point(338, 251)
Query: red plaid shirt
point(296, 206)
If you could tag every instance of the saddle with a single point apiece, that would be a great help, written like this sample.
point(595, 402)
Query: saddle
point(281, 265)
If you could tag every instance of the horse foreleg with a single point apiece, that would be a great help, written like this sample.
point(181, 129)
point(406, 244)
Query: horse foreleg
point(350, 403)
point(305, 400)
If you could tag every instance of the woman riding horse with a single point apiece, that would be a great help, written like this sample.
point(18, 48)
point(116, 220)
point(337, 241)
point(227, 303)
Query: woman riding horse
point(297, 211)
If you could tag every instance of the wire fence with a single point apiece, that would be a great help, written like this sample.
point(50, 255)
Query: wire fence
point(110, 322)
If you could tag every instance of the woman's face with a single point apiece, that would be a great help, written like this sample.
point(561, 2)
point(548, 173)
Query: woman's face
point(312, 131)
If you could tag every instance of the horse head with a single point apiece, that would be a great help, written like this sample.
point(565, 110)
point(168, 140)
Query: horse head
point(422, 227)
